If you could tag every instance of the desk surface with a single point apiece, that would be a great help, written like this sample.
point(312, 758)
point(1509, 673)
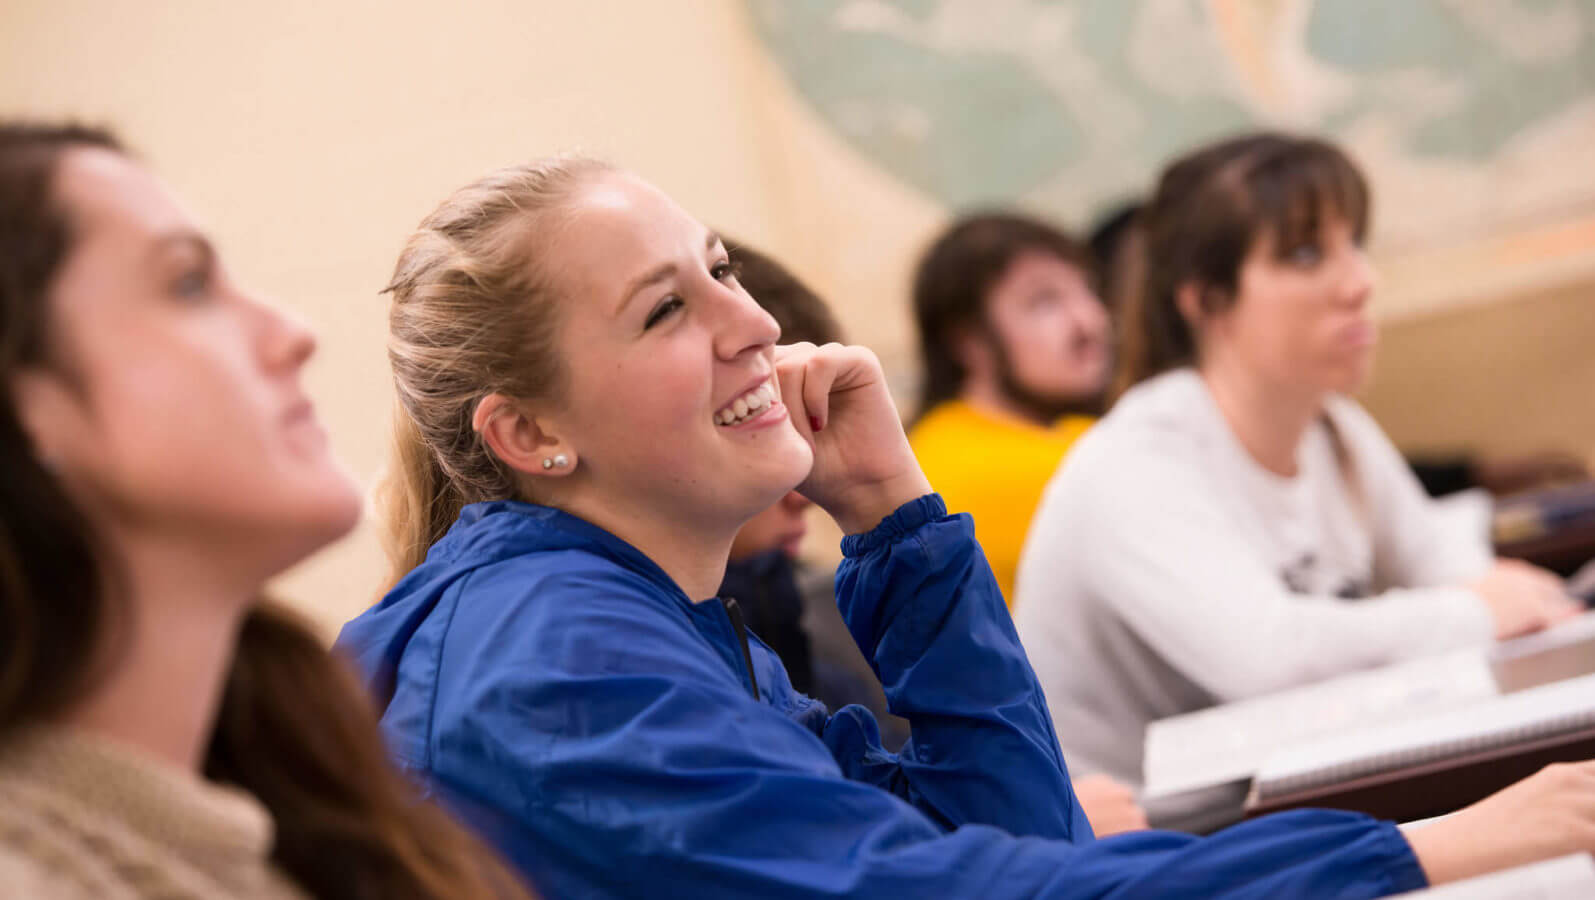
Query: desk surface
point(1556, 527)
point(1563, 551)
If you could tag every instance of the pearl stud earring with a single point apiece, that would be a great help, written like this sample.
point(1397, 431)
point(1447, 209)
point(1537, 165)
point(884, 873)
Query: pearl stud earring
point(559, 460)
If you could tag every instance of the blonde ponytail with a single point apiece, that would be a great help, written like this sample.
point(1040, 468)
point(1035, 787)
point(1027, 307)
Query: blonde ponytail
point(416, 501)
point(472, 315)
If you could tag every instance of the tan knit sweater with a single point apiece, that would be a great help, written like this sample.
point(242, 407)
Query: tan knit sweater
point(85, 818)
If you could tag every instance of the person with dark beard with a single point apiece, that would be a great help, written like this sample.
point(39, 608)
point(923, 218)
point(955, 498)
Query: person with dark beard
point(1015, 347)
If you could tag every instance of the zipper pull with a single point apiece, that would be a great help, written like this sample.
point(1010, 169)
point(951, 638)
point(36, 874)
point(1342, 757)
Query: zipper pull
point(734, 613)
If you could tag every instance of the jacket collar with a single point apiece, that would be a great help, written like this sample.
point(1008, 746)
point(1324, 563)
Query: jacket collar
point(500, 529)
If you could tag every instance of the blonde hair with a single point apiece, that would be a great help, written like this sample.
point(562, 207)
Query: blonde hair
point(472, 314)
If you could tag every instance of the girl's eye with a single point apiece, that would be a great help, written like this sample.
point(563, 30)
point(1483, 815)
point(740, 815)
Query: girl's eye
point(193, 284)
point(666, 308)
point(1305, 255)
point(725, 269)
point(1043, 301)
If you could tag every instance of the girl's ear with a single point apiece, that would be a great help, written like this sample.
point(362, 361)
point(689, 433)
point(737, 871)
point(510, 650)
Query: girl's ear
point(524, 442)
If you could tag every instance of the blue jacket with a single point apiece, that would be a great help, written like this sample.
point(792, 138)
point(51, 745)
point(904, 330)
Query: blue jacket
point(557, 689)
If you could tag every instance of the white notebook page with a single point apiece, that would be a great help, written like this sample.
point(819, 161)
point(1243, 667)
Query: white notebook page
point(1231, 742)
point(1544, 711)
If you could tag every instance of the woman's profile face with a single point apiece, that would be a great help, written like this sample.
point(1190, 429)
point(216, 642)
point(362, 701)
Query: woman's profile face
point(1300, 317)
point(671, 401)
point(171, 407)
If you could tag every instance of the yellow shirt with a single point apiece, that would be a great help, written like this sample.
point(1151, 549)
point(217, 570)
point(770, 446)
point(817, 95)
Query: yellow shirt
point(993, 468)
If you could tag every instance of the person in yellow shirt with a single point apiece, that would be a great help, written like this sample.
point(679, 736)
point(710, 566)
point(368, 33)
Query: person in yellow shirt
point(1015, 347)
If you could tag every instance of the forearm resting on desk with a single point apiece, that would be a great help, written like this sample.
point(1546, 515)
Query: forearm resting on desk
point(1546, 815)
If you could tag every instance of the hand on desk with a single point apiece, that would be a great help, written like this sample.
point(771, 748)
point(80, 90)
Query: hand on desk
point(1523, 598)
point(1109, 805)
point(1549, 814)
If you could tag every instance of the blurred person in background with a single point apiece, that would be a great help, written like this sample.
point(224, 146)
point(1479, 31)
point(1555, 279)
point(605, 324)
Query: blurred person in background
point(1116, 243)
point(164, 731)
point(1236, 525)
point(1015, 349)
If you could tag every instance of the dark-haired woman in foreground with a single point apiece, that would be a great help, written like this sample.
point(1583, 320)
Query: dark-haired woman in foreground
point(163, 732)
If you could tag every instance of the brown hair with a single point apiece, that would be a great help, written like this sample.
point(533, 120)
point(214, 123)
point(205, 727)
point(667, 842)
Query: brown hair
point(1115, 243)
point(800, 312)
point(1210, 209)
point(294, 728)
point(954, 276)
point(472, 315)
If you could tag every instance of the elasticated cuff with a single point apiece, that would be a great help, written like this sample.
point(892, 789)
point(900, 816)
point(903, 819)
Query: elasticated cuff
point(899, 524)
point(1405, 873)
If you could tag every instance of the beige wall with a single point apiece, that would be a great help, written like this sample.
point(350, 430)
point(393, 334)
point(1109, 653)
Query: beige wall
point(1513, 376)
point(312, 134)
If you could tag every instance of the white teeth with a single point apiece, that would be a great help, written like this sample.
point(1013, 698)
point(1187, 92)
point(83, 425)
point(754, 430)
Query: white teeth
point(753, 401)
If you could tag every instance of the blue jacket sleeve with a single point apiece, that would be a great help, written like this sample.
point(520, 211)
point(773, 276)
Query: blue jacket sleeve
point(921, 602)
point(607, 750)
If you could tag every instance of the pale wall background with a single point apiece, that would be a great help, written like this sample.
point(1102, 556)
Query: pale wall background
point(313, 135)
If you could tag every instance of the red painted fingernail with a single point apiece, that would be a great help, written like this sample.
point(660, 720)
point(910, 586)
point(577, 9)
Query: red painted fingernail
point(814, 422)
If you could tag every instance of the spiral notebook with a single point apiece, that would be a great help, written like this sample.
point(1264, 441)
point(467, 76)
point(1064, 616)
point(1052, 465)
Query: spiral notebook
point(1540, 713)
point(1232, 743)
